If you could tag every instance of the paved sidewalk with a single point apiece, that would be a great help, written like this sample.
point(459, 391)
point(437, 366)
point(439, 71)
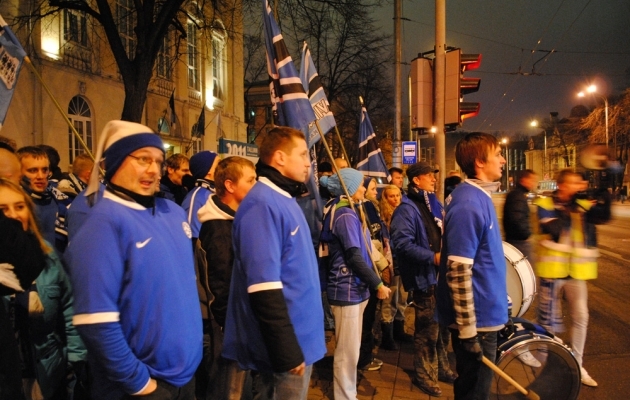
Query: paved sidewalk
point(392, 381)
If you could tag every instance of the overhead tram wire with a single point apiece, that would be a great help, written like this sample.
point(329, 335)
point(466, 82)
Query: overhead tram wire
point(545, 58)
point(492, 113)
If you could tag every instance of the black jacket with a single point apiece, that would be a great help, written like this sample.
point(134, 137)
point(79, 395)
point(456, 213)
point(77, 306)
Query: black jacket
point(215, 259)
point(516, 223)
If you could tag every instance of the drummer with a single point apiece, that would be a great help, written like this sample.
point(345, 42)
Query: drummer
point(473, 305)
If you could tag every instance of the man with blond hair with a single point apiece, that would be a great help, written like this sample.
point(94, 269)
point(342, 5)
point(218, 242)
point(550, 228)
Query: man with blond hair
point(233, 179)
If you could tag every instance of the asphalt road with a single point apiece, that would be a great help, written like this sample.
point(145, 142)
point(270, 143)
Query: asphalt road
point(607, 351)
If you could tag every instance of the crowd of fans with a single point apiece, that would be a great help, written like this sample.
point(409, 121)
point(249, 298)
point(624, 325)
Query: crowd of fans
point(204, 278)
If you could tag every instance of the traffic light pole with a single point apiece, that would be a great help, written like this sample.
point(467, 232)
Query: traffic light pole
point(439, 82)
point(397, 146)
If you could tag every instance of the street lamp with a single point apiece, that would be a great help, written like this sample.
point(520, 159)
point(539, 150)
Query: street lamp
point(534, 124)
point(507, 162)
point(593, 90)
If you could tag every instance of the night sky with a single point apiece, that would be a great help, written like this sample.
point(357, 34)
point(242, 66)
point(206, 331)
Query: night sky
point(591, 39)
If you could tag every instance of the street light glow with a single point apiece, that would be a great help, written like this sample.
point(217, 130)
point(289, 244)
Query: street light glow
point(504, 140)
point(593, 90)
point(534, 123)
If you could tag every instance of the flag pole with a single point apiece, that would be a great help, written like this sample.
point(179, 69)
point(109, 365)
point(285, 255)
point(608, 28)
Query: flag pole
point(332, 160)
point(56, 103)
point(343, 148)
point(359, 213)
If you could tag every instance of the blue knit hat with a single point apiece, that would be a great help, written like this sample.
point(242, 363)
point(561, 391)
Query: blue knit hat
point(201, 163)
point(351, 177)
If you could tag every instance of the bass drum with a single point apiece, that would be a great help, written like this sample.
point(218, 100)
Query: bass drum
point(520, 279)
point(538, 361)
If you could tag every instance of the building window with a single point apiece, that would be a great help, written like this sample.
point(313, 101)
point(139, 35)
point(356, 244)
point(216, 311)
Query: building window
point(196, 145)
point(163, 126)
point(193, 57)
point(126, 23)
point(218, 70)
point(163, 62)
point(75, 27)
point(81, 117)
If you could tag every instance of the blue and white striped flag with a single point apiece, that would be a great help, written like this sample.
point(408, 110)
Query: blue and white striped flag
point(315, 92)
point(371, 161)
point(11, 57)
point(287, 93)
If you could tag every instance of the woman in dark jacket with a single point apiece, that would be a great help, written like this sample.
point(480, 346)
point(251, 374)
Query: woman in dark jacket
point(43, 313)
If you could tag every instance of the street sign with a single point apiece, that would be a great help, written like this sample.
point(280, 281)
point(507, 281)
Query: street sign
point(410, 154)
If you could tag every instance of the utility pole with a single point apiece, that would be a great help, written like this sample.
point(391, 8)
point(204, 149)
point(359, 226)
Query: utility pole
point(440, 79)
point(397, 146)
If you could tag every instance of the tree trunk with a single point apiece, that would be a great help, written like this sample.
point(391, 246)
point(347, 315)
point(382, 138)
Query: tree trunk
point(136, 86)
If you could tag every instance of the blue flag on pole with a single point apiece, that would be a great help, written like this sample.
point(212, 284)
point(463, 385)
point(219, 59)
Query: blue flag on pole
point(289, 100)
point(371, 161)
point(11, 57)
point(316, 95)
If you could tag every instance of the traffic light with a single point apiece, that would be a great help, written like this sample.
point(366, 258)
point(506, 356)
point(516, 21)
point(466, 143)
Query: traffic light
point(456, 86)
point(421, 90)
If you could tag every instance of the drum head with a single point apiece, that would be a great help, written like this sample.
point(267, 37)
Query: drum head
point(520, 280)
point(539, 364)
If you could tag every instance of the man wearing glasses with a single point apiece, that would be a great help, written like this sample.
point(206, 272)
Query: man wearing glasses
point(131, 267)
point(50, 203)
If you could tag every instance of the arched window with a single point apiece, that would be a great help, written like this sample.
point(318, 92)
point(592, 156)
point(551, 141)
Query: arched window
point(218, 60)
point(80, 115)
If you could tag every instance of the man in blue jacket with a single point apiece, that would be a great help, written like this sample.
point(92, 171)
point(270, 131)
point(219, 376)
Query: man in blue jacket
point(416, 235)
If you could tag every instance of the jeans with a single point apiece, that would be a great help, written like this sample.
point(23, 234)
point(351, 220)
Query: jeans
point(394, 307)
point(207, 374)
point(474, 380)
point(348, 322)
point(575, 292)
point(425, 337)
point(329, 320)
point(443, 339)
point(367, 335)
point(264, 385)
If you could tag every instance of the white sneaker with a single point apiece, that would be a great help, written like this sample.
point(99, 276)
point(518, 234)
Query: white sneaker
point(527, 358)
point(586, 379)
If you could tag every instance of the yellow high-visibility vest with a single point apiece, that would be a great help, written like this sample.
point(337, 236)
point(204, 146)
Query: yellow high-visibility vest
point(570, 257)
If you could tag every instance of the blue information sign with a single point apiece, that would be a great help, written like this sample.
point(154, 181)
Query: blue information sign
point(410, 153)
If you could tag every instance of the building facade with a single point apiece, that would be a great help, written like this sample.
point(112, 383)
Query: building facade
point(200, 70)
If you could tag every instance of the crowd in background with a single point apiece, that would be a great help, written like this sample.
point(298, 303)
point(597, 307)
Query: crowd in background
point(185, 278)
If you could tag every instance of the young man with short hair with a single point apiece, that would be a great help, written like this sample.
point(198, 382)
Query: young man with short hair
point(50, 203)
point(171, 183)
point(234, 177)
point(274, 321)
point(472, 292)
point(516, 223)
point(397, 177)
point(73, 183)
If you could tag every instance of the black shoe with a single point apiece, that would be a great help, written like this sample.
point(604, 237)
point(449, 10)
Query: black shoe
point(447, 376)
point(431, 390)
